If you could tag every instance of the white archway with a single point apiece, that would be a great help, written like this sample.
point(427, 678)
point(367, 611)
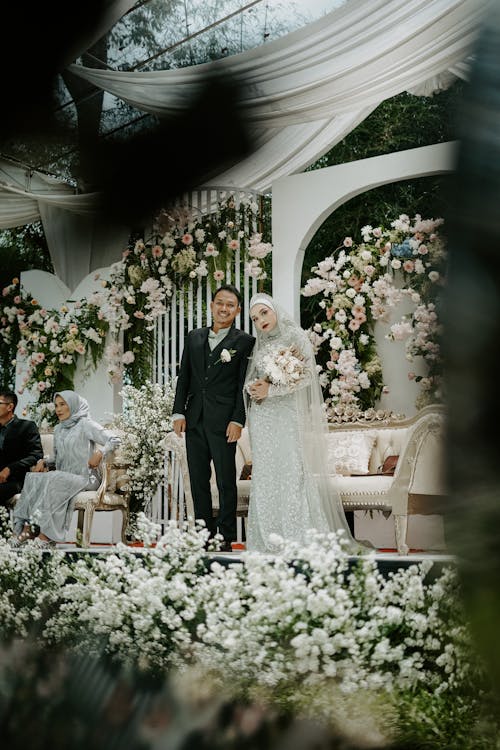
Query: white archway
point(303, 201)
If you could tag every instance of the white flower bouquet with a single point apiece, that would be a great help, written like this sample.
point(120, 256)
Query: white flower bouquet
point(284, 366)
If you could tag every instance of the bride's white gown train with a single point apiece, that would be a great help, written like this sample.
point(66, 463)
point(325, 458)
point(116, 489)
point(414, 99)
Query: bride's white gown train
point(287, 497)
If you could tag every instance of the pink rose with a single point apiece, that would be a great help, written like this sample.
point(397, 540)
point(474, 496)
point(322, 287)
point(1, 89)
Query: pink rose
point(218, 275)
point(156, 251)
point(187, 239)
point(330, 312)
point(408, 266)
point(128, 358)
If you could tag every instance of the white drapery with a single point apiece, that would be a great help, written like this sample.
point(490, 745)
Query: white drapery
point(78, 240)
point(304, 92)
point(23, 191)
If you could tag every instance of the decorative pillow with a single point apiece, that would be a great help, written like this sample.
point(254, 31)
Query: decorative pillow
point(389, 466)
point(349, 453)
point(246, 472)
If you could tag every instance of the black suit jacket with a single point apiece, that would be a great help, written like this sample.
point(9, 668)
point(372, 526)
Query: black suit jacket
point(22, 448)
point(209, 389)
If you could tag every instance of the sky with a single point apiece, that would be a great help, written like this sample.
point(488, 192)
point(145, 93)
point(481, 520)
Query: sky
point(319, 7)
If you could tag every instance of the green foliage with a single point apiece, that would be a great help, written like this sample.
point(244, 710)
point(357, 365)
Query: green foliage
point(443, 721)
point(22, 249)
point(402, 122)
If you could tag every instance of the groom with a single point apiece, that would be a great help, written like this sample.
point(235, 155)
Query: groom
point(209, 408)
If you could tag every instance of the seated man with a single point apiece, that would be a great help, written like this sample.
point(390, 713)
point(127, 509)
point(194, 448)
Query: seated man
point(20, 447)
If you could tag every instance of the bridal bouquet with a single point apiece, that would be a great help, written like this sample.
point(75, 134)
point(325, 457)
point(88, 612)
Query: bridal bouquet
point(284, 366)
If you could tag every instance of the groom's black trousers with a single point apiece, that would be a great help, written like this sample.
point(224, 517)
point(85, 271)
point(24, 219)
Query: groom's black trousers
point(204, 446)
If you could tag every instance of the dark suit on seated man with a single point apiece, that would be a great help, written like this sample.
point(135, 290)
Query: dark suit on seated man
point(20, 447)
point(209, 408)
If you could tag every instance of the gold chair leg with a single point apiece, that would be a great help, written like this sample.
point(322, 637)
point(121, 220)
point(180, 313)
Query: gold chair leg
point(87, 525)
point(125, 517)
point(79, 528)
point(401, 527)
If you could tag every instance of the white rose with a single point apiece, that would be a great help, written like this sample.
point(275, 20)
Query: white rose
point(225, 356)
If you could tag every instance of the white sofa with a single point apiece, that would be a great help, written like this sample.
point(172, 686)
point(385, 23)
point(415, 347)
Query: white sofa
point(418, 483)
point(356, 454)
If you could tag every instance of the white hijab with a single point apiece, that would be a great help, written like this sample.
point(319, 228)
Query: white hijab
point(78, 408)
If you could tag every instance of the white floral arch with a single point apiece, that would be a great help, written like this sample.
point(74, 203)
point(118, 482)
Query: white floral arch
point(300, 205)
point(302, 202)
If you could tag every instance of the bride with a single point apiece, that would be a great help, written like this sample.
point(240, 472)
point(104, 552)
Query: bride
point(290, 493)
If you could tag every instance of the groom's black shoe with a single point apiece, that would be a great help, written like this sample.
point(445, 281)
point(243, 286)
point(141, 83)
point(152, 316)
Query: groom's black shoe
point(226, 546)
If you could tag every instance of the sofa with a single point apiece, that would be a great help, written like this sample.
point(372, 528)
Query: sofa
point(396, 467)
point(412, 449)
point(112, 493)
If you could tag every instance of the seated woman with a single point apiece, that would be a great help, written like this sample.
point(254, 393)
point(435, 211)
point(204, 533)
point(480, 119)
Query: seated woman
point(47, 499)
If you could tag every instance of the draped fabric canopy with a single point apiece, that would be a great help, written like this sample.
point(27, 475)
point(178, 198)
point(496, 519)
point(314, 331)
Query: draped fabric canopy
point(77, 239)
point(300, 94)
point(23, 192)
point(356, 56)
point(304, 92)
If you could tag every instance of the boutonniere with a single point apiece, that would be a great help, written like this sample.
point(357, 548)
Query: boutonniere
point(226, 355)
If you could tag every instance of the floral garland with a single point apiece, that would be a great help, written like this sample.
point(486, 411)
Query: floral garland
point(185, 248)
point(51, 343)
point(359, 284)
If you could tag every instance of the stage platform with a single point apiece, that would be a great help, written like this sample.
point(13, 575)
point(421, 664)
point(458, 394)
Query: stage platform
point(387, 560)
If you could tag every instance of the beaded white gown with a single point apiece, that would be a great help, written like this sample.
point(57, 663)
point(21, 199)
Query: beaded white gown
point(291, 490)
point(284, 498)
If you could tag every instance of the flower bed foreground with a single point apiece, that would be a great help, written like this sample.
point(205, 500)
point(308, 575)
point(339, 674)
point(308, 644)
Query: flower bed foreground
point(304, 632)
